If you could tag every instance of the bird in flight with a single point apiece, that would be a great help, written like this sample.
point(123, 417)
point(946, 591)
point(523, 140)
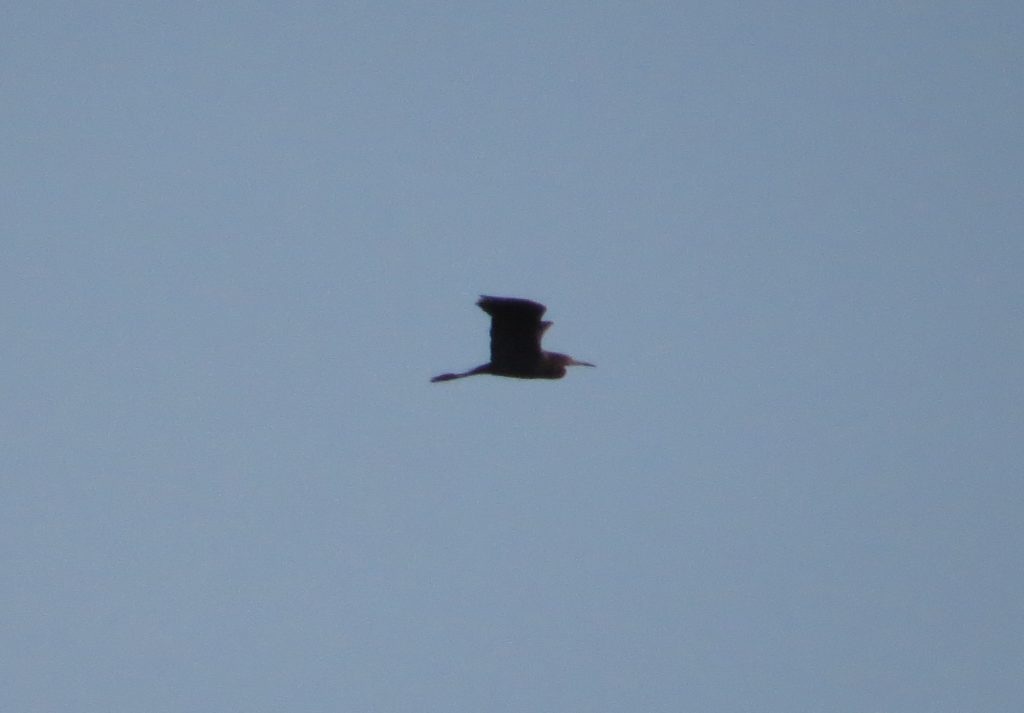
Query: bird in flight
point(516, 331)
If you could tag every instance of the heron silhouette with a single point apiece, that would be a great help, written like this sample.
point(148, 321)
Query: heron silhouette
point(516, 331)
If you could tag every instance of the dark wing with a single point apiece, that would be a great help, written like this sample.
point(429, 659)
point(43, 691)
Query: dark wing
point(516, 329)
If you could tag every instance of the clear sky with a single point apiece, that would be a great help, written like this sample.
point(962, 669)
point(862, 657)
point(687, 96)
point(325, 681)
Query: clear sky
point(239, 238)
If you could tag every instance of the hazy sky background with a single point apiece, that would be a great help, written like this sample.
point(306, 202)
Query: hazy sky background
point(239, 238)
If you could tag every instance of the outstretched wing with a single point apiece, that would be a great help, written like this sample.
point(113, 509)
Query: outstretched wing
point(516, 330)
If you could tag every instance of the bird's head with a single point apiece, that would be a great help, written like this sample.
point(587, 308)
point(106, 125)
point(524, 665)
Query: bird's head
point(564, 360)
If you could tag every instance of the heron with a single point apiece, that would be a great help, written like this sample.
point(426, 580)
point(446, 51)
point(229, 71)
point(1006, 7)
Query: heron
point(516, 331)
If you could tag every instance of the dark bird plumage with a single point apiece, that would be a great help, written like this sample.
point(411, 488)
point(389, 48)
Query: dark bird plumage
point(516, 331)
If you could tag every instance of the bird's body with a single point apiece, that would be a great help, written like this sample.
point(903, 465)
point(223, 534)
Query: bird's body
point(516, 331)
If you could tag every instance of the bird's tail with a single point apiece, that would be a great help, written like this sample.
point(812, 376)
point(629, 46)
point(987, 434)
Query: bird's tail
point(482, 369)
point(447, 377)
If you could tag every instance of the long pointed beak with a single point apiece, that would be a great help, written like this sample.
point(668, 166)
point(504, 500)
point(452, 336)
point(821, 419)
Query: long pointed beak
point(581, 363)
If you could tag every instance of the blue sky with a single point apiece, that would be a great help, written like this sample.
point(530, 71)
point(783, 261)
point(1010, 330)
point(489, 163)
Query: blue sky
point(239, 238)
